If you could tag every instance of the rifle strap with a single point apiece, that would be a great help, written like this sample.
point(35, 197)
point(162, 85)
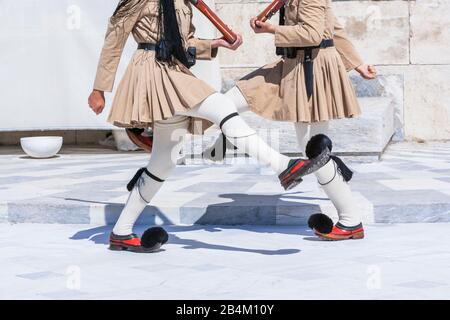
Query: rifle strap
point(282, 13)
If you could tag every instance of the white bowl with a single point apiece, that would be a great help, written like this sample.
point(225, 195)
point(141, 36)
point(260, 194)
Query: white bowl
point(41, 147)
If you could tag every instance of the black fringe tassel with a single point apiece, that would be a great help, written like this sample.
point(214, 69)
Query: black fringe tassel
point(136, 177)
point(345, 171)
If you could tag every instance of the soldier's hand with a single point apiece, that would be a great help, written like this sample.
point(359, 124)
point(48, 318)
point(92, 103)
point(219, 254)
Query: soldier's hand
point(261, 27)
point(367, 71)
point(221, 42)
point(97, 101)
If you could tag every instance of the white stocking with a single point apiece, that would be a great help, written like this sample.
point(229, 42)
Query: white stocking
point(332, 182)
point(235, 95)
point(215, 152)
point(216, 108)
point(168, 137)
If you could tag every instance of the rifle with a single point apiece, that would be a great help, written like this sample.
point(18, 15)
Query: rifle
point(229, 35)
point(270, 10)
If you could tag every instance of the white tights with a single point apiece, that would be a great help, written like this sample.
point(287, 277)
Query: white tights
point(332, 182)
point(168, 138)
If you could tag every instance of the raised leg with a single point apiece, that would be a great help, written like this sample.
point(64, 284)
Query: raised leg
point(238, 99)
point(218, 150)
point(220, 109)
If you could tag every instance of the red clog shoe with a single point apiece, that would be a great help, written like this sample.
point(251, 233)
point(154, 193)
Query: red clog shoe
point(298, 168)
point(129, 242)
point(341, 232)
point(152, 240)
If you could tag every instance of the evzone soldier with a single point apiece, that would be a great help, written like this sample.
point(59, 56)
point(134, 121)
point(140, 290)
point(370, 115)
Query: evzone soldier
point(158, 90)
point(308, 86)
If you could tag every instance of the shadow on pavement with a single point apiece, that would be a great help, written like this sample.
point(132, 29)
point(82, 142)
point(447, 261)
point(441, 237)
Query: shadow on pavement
point(240, 213)
point(100, 235)
point(253, 209)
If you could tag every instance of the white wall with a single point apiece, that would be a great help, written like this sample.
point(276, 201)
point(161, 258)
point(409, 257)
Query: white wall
point(408, 41)
point(48, 55)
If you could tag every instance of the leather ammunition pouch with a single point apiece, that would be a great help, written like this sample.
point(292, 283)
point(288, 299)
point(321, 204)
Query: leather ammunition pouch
point(191, 54)
point(163, 51)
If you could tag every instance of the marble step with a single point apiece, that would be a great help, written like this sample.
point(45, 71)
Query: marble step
point(238, 193)
point(221, 204)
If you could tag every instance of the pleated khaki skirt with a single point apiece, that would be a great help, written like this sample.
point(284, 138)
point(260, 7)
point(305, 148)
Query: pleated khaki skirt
point(277, 91)
point(151, 91)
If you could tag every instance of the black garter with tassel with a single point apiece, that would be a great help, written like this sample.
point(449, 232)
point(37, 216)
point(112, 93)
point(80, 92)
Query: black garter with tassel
point(138, 174)
point(317, 144)
point(345, 171)
point(134, 180)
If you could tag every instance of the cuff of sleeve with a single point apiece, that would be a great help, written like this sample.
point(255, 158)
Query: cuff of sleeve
point(214, 52)
point(100, 88)
point(204, 50)
point(353, 63)
point(104, 81)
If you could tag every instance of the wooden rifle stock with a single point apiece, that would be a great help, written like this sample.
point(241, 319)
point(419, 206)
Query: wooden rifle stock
point(229, 35)
point(270, 10)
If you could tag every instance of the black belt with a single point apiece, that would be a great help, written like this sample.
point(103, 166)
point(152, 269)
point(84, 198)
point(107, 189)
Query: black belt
point(308, 62)
point(147, 46)
point(164, 54)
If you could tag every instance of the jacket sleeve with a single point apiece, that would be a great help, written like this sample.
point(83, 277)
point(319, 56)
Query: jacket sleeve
point(115, 39)
point(307, 33)
point(203, 46)
point(344, 46)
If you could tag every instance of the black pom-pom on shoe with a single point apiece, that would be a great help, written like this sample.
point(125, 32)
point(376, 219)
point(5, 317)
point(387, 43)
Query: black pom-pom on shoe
point(153, 238)
point(321, 223)
point(317, 144)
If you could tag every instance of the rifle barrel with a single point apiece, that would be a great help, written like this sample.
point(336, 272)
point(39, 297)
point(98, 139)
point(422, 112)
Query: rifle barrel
point(271, 10)
point(229, 35)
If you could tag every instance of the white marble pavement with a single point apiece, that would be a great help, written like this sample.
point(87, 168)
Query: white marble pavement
point(394, 261)
point(410, 184)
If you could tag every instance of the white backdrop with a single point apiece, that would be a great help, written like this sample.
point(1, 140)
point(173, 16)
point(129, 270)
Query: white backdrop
point(49, 51)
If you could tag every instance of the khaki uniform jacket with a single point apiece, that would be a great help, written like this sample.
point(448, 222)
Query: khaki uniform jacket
point(277, 91)
point(150, 90)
